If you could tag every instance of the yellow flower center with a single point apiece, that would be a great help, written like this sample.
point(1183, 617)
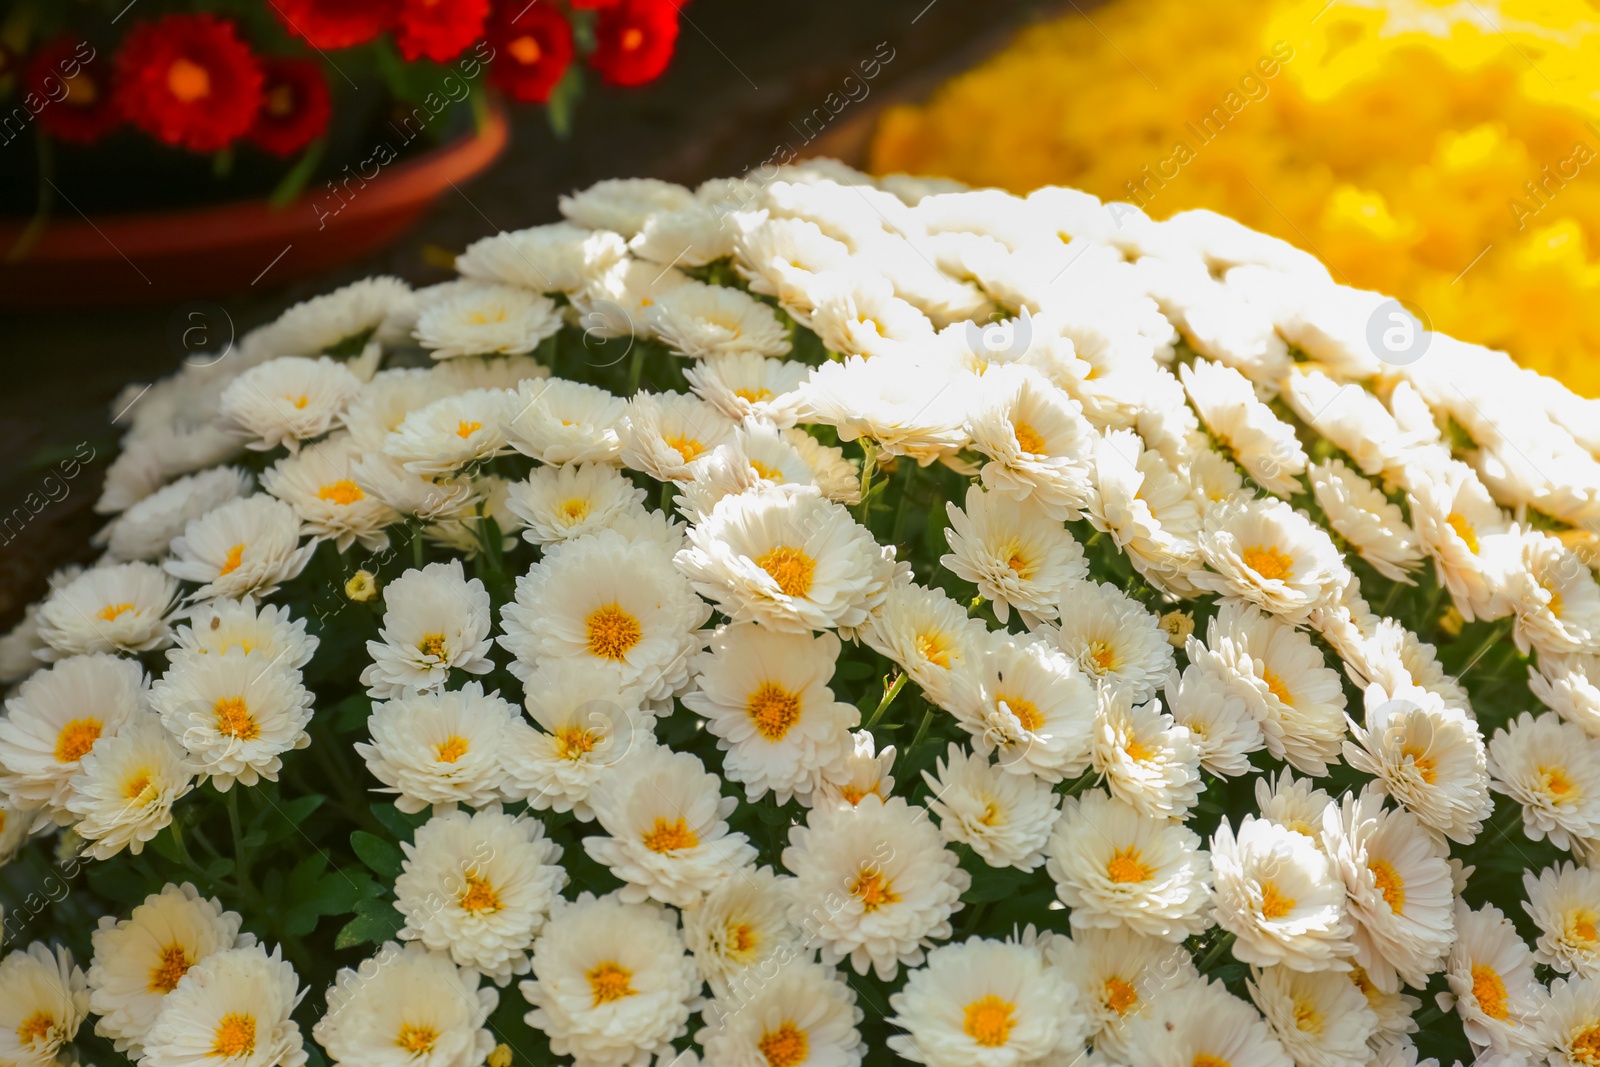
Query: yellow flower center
point(1103, 655)
point(1274, 905)
point(1018, 563)
point(416, 1038)
point(1490, 992)
point(479, 896)
point(1276, 687)
point(525, 50)
point(1125, 866)
point(753, 396)
point(1307, 1019)
point(1585, 1046)
point(770, 473)
point(787, 1046)
point(1138, 751)
point(1424, 763)
point(854, 795)
point(1464, 530)
point(343, 491)
point(1026, 711)
point(1581, 926)
point(1029, 440)
point(612, 632)
point(686, 447)
point(234, 719)
point(1556, 783)
point(35, 1027)
point(670, 836)
point(231, 561)
point(573, 743)
point(1269, 562)
point(609, 981)
point(432, 645)
point(575, 510)
point(1120, 995)
point(935, 648)
point(111, 611)
point(188, 80)
point(740, 939)
point(1390, 884)
point(483, 318)
point(791, 568)
point(235, 1035)
point(299, 402)
point(1204, 1060)
point(137, 788)
point(989, 1020)
point(175, 963)
point(77, 738)
point(450, 749)
point(873, 889)
point(774, 710)
point(466, 428)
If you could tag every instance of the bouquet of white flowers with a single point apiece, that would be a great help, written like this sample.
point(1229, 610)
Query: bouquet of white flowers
point(810, 620)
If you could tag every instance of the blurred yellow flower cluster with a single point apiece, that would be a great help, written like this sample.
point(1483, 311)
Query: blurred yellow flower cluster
point(1444, 151)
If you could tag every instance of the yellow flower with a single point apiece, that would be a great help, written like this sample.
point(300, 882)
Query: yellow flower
point(362, 586)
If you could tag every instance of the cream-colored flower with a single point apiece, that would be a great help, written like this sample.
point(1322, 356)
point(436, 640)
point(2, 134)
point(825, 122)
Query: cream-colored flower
point(740, 934)
point(1263, 444)
point(1569, 1022)
point(1202, 1023)
point(1032, 705)
point(1005, 818)
point(453, 432)
point(1359, 512)
point(1462, 529)
point(932, 639)
point(1280, 896)
point(145, 530)
point(1555, 599)
point(624, 204)
point(1321, 1019)
point(246, 547)
point(1147, 759)
point(858, 314)
point(1564, 903)
point(908, 409)
point(862, 773)
point(555, 258)
point(1219, 718)
point(471, 319)
point(1551, 768)
point(124, 788)
point(805, 1014)
point(562, 503)
point(288, 400)
point(43, 1000)
point(439, 748)
point(318, 483)
point(233, 1005)
point(407, 1007)
point(1114, 640)
point(1014, 553)
point(1267, 553)
point(335, 320)
point(750, 387)
point(121, 608)
point(1492, 985)
point(560, 422)
point(235, 715)
point(1039, 445)
point(435, 620)
point(1118, 974)
point(664, 433)
point(267, 632)
point(713, 322)
point(1147, 508)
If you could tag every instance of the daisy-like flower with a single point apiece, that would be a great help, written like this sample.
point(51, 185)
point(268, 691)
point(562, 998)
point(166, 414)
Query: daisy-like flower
point(560, 422)
point(1428, 757)
point(439, 748)
point(1014, 553)
point(862, 773)
point(1039, 445)
point(1321, 1019)
point(1031, 704)
point(563, 503)
point(1265, 552)
point(1118, 974)
point(603, 599)
point(1113, 639)
point(612, 985)
point(470, 319)
point(667, 826)
point(765, 696)
point(1555, 599)
point(318, 483)
point(986, 1003)
point(739, 933)
point(385, 401)
point(332, 320)
point(858, 314)
point(1201, 1023)
point(1005, 818)
point(267, 631)
point(1564, 903)
point(900, 884)
point(1570, 687)
point(1394, 1011)
point(43, 999)
point(555, 258)
point(453, 432)
point(288, 400)
point(139, 960)
point(898, 403)
point(588, 719)
point(1147, 508)
point(1293, 803)
point(1400, 897)
point(1570, 1022)
point(246, 547)
point(805, 1014)
point(1551, 768)
point(931, 637)
point(56, 718)
point(1458, 524)
point(123, 608)
point(1280, 896)
point(713, 322)
point(1263, 444)
point(479, 887)
point(663, 433)
point(1221, 723)
point(1147, 759)
point(1116, 867)
point(146, 529)
point(1360, 513)
point(781, 257)
point(749, 387)
point(407, 1007)
point(623, 204)
point(235, 714)
point(424, 498)
point(790, 561)
point(1492, 985)
point(124, 788)
point(434, 620)
point(234, 1004)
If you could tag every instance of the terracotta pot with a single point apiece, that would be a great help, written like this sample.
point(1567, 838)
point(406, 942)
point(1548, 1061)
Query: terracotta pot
point(222, 249)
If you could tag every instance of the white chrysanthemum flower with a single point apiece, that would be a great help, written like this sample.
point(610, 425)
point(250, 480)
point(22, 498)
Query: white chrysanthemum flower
point(140, 959)
point(1118, 974)
point(434, 620)
point(1551, 768)
point(1395, 1011)
point(607, 600)
point(246, 547)
point(424, 498)
point(804, 1014)
point(838, 478)
point(1114, 866)
point(664, 433)
point(908, 409)
point(555, 258)
point(1005, 818)
point(712, 322)
point(1014, 553)
point(900, 884)
point(123, 608)
point(749, 387)
point(623, 204)
point(781, 257)
point(1113, 639)
point(1030, 703)
point(234, 1005)
point(617, 302)
point(588, 719)
point(1221, 723)
point(407, 1007)
point(439, 748)
point(694, 236)
point(1458, 525)
point(1039, 445)
point(1197, 1024)
point(740, 933)
point(765, 696)
point(145, 530)
point(385, 401)
point(667, 826)
point(124, 788)
point(1555, 599)
point(1492, 984)
point(858, 314)
point(931, 637)
point(1352, 418)
point(1564, 903)
point(1393, 656)
point(1359, 512)
point(612, 985)
point(43, 1000)
point(235, 715)
point(472, 319)
point(1400, 897)
point(465, 530)
point(1267, 553)
point(1147, 759)
point(1147, 508)
point(1570, 687)
point(268, 632)
point(863, 773)
point(559, 422)
point(1569, 1022)
point(317, 482)
point(288, 400)
point(564, 503)
point(332, 320)
point(56, 718)
point(986, 1003)
point(790, 561)
point(479, 887)
point(453, 432)
point(1321, 1019)
point(1280, 896)
point(1293, 803)
point(1263, 444)
point(1428, 757)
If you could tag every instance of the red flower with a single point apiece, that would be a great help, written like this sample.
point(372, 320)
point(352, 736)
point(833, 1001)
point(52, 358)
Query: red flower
point(439, 29)
point(336, 23)
point(188, 80)
point(294, 105)
point(532, 48)
point(74, 85)
point(634, 40)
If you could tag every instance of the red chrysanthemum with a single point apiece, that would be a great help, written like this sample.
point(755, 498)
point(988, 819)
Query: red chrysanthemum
point(439, 29)
point(74, 83)
point(532, 49)
point(294, 105)
point(188, 80)
point(336, 23)
point(634, 40)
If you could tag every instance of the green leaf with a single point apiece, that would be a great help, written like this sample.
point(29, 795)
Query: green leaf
point(380, 854)
point(294, 182)
point(563, 102)
point(397, 822)
point(282, 821)
point(376, 921)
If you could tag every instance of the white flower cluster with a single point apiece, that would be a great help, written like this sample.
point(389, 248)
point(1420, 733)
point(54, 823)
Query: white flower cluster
point(1151, 421)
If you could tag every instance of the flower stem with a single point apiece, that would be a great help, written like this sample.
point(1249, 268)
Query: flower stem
point(890, 691)
point(1223, 944)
